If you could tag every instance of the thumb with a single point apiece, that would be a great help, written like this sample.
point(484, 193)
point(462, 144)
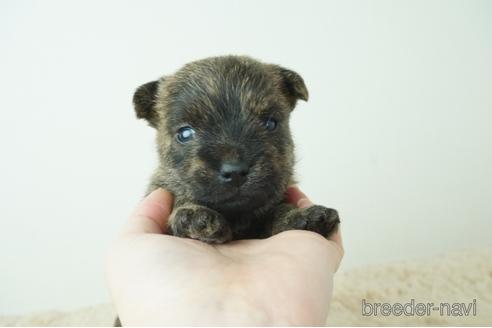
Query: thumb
point(151, 214)
point(297, 198)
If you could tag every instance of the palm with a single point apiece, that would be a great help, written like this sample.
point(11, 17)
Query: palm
point(234, 282)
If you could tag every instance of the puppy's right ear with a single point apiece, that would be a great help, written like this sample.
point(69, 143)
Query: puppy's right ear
point(144, 102)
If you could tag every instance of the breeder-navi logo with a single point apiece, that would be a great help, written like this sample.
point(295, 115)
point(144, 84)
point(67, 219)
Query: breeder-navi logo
point(419, 309)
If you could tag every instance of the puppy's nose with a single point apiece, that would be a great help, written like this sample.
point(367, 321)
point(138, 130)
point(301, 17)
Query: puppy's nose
point(233, 172)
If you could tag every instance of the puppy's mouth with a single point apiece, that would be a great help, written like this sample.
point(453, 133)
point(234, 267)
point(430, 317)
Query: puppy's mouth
point(233, 198)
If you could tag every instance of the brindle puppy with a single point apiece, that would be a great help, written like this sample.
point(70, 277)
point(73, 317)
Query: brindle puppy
point(226, 151)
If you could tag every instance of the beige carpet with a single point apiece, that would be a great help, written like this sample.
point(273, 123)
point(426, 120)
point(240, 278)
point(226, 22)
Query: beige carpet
point(458, 277)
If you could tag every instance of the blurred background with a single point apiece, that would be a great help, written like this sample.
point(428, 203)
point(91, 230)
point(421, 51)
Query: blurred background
point(396, 135)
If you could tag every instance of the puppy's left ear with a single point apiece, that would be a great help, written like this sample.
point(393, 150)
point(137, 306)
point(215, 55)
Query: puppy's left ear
point(144, 102)
point(293, 85)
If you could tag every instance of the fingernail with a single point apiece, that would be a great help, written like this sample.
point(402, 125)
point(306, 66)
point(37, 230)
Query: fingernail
point(304, 202)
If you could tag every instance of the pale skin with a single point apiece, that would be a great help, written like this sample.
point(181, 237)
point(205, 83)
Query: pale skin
point(161, 280)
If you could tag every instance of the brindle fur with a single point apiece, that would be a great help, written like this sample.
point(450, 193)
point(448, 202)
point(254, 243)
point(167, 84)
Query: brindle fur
point(225, 100)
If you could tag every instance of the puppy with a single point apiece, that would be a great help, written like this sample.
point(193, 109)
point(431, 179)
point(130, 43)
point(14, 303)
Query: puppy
point(226, 151)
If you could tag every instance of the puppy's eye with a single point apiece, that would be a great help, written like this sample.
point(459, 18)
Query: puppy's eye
point(270, 124)
point(185, 134)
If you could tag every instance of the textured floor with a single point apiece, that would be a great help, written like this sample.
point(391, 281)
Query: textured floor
point(458, 277)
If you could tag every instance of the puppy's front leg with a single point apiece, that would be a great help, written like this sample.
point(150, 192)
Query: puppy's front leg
point(315, 218)
point(199, 222)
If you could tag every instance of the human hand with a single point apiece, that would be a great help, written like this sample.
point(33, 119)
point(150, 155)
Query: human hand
point(157, 279)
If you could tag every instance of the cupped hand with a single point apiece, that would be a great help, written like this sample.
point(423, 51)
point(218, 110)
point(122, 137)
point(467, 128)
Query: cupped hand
point(158, 279)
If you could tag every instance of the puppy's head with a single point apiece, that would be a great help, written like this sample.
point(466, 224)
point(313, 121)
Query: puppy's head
point(223, 130)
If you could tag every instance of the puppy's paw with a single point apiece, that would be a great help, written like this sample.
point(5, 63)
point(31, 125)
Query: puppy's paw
point(315, 218)
point(201, 223)
point(319, 219)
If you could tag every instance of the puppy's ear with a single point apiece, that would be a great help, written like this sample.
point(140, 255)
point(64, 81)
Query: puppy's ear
point(144, 102)
point(293, 85)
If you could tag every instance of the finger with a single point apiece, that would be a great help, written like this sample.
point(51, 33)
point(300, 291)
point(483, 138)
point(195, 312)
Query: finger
point(296, 197)
point(336, 238)
point(151, 214)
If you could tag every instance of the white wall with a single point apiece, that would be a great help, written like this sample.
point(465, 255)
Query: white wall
point(396, 134)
